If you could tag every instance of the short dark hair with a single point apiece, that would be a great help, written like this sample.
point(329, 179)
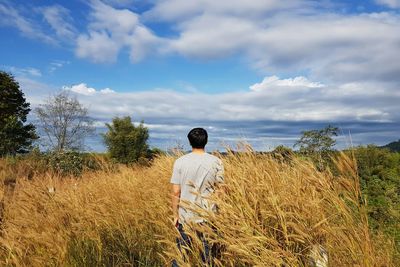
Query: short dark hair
point(198, 137)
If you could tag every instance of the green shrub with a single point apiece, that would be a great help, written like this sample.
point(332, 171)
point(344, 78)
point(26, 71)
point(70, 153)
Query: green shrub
point(126, 142)
point(379, 172)
point(66, 163)
point(283, 154)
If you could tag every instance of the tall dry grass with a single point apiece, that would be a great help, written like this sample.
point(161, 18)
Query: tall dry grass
point(273, 213)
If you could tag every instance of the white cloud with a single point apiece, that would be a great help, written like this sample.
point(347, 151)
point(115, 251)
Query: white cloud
point(57, 64)
point(34, 22)
point(331, 46)
point(274, 81)
point(178, 10)
point(274, 36)
point(98, 47)
point(107, 91)
point(59, 20)
point(33, 72)
point(292, 99)
point(389, 3)
point(213, 36)
point(34, 91)
point(111, 30)
point(83, 89)
point(29, 71)
point(13, 17)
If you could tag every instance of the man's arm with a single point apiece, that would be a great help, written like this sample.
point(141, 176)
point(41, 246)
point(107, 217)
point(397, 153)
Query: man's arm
point(176, 195)
point(176, 191)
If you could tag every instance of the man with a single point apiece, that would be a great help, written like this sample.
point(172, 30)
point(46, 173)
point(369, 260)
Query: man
point(195, 177)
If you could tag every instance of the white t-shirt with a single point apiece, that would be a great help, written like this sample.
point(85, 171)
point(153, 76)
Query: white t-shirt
point(198, 175)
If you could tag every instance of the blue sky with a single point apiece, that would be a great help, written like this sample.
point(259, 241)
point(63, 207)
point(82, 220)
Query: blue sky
point(258, 70)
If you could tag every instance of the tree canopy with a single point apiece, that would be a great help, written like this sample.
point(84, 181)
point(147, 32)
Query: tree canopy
point(126, 142)
point(317, 141)
point(15, 134)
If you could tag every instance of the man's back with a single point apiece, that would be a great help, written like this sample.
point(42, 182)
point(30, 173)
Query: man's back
point(197, 174)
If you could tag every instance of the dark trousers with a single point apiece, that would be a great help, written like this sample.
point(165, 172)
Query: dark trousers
point(184, 242)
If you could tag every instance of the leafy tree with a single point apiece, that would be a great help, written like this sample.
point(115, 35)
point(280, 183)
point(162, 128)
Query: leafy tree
point(317, 141)
point(65, 122)
point(318, 145)
point(126, 142)
point(16, 136)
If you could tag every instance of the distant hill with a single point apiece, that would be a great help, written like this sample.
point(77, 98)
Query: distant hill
point(393, 146)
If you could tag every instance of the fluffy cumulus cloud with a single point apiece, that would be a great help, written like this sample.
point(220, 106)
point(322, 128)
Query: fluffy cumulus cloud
point(83, 89)
point(274, 81)
point(329, 46)
point(111, 30)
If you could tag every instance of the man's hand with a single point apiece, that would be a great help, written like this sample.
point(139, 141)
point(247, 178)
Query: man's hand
point(176, 221)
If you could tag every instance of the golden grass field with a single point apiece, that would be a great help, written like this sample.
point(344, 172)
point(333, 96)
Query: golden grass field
point(273, 213)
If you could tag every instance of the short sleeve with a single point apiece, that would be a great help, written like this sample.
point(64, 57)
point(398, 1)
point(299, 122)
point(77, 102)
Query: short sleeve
point(176, 174)
point(219, 178)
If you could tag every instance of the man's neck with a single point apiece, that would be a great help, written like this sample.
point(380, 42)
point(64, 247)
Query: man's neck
point(198, 150)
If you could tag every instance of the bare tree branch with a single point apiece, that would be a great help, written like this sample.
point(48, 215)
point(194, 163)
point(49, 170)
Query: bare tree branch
point(65, 122)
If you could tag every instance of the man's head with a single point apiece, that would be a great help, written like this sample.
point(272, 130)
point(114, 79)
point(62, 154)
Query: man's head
point(198, 137)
